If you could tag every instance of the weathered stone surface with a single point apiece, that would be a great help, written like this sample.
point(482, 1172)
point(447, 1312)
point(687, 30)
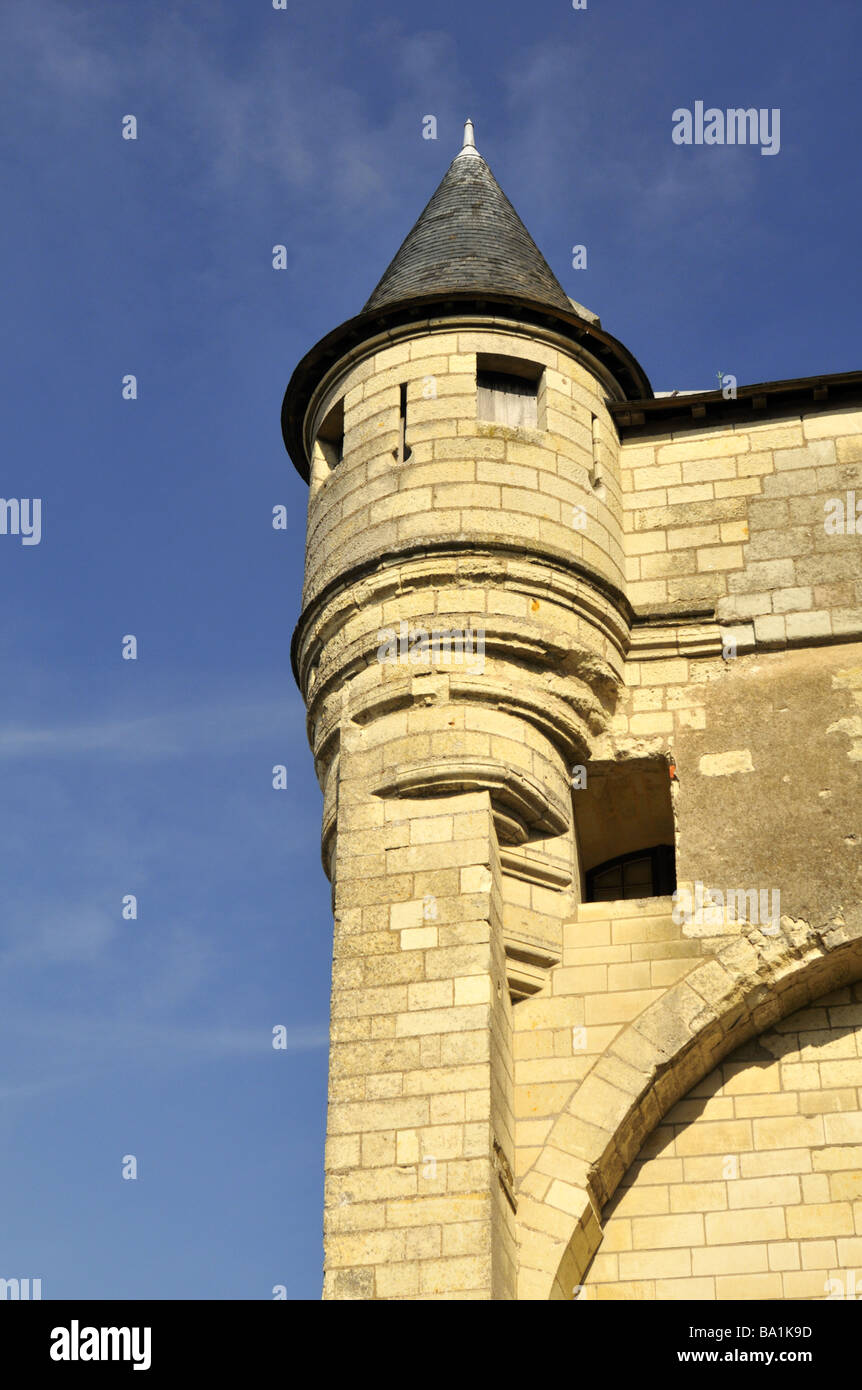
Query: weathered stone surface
point(529, 1091)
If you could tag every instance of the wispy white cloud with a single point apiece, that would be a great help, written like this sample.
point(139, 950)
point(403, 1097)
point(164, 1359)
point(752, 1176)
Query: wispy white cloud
point(104, 1038)
point(226, 726)
point(578, 133)
point(53, 1051)
point(58, 46)
point(56, 935)
point(269, 128)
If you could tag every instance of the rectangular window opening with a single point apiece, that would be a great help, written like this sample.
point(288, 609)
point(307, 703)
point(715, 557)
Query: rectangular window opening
point(625, 822)
point(507, 390)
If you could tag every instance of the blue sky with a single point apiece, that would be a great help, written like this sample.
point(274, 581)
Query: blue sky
point(154, 257)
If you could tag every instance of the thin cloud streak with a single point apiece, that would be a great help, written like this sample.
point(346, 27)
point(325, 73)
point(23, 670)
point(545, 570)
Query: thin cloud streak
point(93, 1047)
point(225, 727)
point(138, 1035)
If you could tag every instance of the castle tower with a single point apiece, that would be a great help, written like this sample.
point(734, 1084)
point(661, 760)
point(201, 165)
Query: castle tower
point(568, 649)
point(463, 626)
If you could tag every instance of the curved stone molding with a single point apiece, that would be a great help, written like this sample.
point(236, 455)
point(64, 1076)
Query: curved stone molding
point(520, 807)
point(562, 605)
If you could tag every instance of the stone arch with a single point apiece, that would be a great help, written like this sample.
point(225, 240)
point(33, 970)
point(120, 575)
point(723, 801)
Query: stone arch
point(746, 987)
point(750, 1187)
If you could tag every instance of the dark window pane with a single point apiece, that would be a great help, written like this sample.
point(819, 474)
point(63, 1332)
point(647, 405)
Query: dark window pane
point(638, 871)
point(648, 874)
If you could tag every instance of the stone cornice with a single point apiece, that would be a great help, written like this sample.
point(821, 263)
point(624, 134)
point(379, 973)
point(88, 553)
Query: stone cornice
point(708, 410)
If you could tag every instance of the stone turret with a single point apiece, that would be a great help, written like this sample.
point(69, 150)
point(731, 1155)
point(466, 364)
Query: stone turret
point(522, 565)
point(463, 630)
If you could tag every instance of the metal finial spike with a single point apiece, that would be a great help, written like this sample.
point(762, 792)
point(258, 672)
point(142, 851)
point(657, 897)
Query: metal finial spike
point(469, 140)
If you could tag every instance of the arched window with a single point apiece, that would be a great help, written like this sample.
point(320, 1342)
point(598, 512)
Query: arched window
point(644, 873)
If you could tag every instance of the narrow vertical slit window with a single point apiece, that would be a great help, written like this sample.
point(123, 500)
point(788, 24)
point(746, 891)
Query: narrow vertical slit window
point(330, 436)
point(596, 473)
point(403, 452)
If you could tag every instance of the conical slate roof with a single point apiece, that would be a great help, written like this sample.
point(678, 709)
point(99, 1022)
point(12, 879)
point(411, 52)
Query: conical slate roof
point(469, 238)
point(469, 256)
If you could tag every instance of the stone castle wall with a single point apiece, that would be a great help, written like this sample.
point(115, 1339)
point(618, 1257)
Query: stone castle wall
point(506, 1057)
